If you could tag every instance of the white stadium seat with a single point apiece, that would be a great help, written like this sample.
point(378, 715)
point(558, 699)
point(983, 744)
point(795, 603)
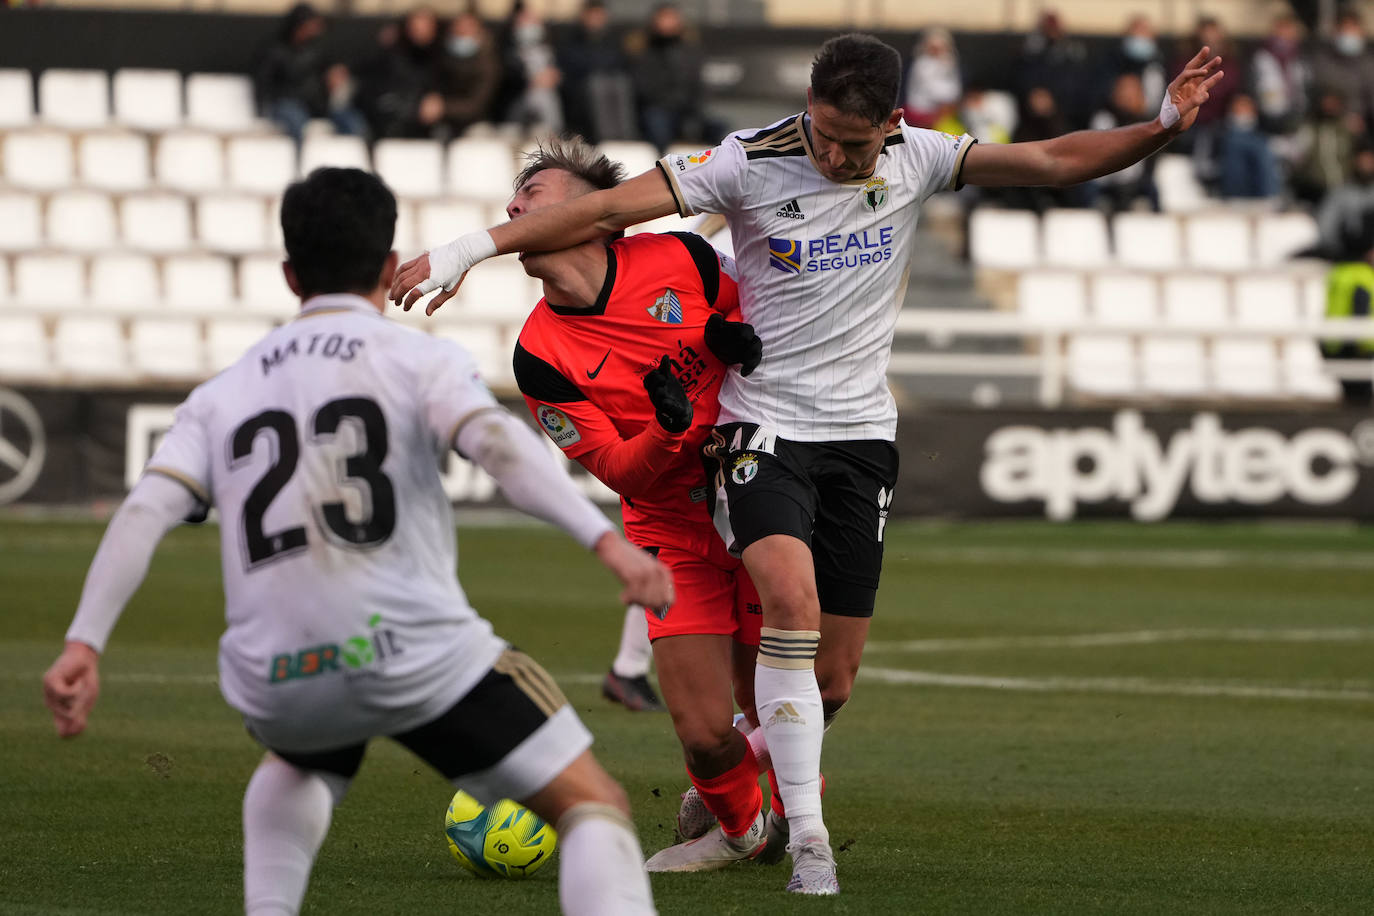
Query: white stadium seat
point(405, 240)
point(495, 291)
point(198, 283)
point(147, 99)
point(1004, 239)
point(1302, 371)
point(39, 160)
point(1218, 241)
point(1313, 296)
point(261, 165)
point(1123, 298)
point(1173, 366)
point(4, 279)
point(221, 102)
point(1075, 238)
point(1179, 188)
point(124, 282)
point(487, 346)
point(74, 98)
point(1266, 299)
point(411, 168)
point(90, 346)
point(190, 161)
point(167, 347)
point(21, 222)
point(1245, 366)
point(50, 281)
point(339, 152)
point(443, 222)
point(159, 223)
point(16, 99)
point(481, 168)
point(263, 289)
point(23, 346)
point(81, 221)
point(637, 157)
point(1194, 300)
point(231, 224)
point(1279, 236)
point(113, 162)
point(1054, 296)
point(1147, 241)
point(228, 339)
point(1102, 364)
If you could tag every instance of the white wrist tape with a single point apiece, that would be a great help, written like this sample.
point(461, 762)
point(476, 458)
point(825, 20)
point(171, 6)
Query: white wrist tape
point(448, 262)
point(1168, 114)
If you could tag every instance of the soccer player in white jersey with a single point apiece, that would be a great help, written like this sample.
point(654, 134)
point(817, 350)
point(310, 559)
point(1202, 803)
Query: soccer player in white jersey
point(320, 448)
point(822, 208)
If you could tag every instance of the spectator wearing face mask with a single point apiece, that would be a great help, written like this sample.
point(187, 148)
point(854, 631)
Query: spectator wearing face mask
point(1248, 167)
point(667, 77)
point(598, 96)
point(1280, 77)
point(1138, 54)
point(1345, 65)
point(469, 70)
point(933, 82)
point(1056, 61)
point(398, 84)
point(295, 82)
point(1120, 190)
point(529, 90)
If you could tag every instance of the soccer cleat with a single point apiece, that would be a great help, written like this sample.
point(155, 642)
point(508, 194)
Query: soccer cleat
point(631, 692)
point(710, 852)
point(693, 817)
point(813, 869)
point(776, 835)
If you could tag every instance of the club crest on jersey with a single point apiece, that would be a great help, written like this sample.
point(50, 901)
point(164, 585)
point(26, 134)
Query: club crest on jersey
point(744, 468)
point(875, 193)
point(785, 255)
point(667, 308)
point(559, 426)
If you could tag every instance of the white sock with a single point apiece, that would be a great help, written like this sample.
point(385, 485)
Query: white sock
point(791, 719)
point(600, 864)
point(635, 651)
point(286, 812)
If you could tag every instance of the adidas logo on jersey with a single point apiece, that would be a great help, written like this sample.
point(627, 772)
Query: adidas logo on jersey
point(791, 210)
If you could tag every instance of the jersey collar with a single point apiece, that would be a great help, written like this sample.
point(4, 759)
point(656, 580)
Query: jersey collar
point(598, 307)
point(336, 302)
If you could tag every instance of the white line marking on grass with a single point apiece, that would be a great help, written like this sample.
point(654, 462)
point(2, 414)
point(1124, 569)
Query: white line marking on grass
point(1125, 638)
point(211, 680)
point(1165, 559)
point(1138, 686)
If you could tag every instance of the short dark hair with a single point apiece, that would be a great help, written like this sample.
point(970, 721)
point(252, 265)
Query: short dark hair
point(859, 75)
point(574, 155)
point(338, 225)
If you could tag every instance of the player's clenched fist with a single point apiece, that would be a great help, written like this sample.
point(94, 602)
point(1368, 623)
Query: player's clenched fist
point(733, 343)
point(671, 407)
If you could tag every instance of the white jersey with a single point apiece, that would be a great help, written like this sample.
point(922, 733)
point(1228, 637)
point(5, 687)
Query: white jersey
point(822, 270)
point(320, 447)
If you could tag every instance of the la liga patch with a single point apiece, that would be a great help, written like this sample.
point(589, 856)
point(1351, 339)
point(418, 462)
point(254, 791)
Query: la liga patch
point(559, 426)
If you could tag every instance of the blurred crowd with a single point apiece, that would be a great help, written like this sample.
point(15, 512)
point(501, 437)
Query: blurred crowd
point(433, 76)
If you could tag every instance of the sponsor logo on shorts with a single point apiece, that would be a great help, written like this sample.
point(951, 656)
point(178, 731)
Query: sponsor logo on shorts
point(884, 504)
point(356, 653)
point(875, 193)
point(744, 468)
point(559, 426)
point(667, 308)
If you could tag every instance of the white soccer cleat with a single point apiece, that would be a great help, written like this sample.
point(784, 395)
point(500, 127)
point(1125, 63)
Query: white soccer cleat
point(813, 869)
point(776, 835)
point(693, 817)
point(710, 852)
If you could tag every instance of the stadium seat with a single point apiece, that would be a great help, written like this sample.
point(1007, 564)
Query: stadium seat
point(50, 281)
point(1218, 241)
point(1195, 300)
point(486, 344)
point(411, 168)
point(1147, 241)
point(221, 102)
point(1313, 295)
point(1245, 367)
point(158, 223)
point(481, 168)
point(113, 162)
point(1117, 298)
point(1280, 236)
point(1101, 364)
point(23, 346)
point(21, 222)
point(74, 98)
point(1004, 239)
point(228, 339)
point(1303, 375)
point(167, 347)
point(198, 283)
point(1173, 367)
point(637, 157)
point(124, 282)
point(39, 160)
point(81, 221)
point(406, 241)
point(261, 165)
point(16, 99)
point(1179, 188)
point(231, 224)
point(1266, 299)
point(1053, 296)
point(147, 99)
point(443, 222)
point(1075, 238)
point(190, 161)
point(263, 289)
point(340, 152)
point(496, 291)
point(90, 346)
point(4, 279)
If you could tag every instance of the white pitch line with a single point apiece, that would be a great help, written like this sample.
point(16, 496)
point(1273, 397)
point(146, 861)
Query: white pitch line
point(1162, 559)
point(1137, 686)
point(211, 680)
point(1124, 638)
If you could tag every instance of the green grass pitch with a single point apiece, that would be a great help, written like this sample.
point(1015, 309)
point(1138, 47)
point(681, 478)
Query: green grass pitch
point(1095, 718)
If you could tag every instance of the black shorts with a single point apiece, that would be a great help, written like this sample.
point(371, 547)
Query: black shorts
point(834, 496)
point(503, 710)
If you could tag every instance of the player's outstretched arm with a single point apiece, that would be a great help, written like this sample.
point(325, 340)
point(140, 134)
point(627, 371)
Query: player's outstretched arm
point(154, 506)
point(572, 222)
point(1088, 154)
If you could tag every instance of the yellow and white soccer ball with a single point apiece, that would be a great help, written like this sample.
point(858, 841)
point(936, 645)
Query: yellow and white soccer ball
point(506, 840)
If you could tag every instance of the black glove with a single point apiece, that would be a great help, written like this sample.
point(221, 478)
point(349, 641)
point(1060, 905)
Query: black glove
point(672, 409)
point(733, 342)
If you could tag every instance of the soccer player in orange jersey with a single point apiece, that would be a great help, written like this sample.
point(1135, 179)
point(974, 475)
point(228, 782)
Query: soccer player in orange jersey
point(621, 364)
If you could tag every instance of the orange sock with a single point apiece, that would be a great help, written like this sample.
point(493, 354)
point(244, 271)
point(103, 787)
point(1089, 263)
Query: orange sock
point(775, 801)
point(733, 796)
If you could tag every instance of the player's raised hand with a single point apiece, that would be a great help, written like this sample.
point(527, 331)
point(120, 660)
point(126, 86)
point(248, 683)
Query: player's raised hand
point(733, 342)
point(442, 267)
point(1189, 90)
point(71, 686)
point(646, 581)
point(672, 409)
